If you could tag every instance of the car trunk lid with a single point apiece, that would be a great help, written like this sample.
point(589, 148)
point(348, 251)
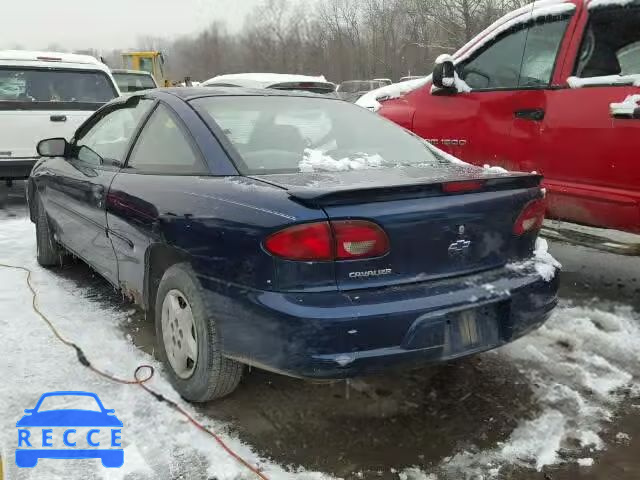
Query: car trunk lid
point(434, 230)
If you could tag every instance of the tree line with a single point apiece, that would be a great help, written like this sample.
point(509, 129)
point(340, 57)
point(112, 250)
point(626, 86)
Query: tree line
point(340, 39)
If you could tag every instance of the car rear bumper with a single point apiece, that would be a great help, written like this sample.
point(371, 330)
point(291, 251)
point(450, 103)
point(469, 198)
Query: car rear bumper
point(16, 168)
point(336, 334)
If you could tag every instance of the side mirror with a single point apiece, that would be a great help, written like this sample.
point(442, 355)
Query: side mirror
point(444, 76)
point(52, 147)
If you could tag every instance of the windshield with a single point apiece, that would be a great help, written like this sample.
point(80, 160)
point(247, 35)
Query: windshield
point(40, 88)
point(134, 82)
point(298, 134)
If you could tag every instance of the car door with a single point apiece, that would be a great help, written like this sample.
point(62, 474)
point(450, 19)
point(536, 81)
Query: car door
point(162, 160)
point(76, 196)
point(588, 155)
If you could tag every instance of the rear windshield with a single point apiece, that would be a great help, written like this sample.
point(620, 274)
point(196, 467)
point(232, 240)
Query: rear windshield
point(134, 82)
point(47, 89)
point(298, 134)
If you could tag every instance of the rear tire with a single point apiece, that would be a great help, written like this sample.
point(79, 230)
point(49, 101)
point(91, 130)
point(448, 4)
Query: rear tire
point(49, 253)
point(210, 375)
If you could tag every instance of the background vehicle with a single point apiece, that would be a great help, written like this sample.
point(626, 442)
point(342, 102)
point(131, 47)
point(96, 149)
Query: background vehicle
point(383, 81)
point(277, 81)
point(411, 77)
point(149, 61)
point(351, 90)
point(187, 199)
point(544, 81)
point(44, 94)
point(133, 80)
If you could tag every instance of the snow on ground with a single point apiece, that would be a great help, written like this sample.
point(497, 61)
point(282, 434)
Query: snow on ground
point(158, 443)
point(579, 365)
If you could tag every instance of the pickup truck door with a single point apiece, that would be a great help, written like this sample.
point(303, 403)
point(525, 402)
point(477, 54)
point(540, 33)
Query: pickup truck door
point(509, 71)
point(588, 155)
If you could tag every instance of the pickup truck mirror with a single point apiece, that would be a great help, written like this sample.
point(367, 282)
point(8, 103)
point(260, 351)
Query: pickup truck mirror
point(52, 147)
point(444, 76)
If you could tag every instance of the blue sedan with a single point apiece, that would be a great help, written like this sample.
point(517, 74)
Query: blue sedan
point(291, 232)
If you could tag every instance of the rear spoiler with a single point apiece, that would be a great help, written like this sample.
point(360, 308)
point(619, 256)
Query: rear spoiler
point(341, 195)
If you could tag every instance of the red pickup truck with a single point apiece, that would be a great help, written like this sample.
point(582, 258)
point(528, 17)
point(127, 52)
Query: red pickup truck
point(553, 87)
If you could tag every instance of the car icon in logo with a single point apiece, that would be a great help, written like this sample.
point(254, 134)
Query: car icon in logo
point(102, 421)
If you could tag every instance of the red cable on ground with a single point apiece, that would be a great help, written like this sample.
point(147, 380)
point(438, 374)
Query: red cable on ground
point(137, 381)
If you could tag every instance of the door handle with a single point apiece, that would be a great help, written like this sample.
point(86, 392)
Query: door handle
point(58, 118)
point(535, 114)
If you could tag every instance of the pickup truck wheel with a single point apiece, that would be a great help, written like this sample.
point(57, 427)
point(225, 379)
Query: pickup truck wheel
point(188, 338)
point(49, 252)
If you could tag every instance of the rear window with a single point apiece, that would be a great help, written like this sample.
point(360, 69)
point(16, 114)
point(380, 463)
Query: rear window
point(298, 134)
point(134, 82)
point(47, 89)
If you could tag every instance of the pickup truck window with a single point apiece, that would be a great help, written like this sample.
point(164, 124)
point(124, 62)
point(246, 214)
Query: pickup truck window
point(521, 58)
point(611, 44)
point(39, 89)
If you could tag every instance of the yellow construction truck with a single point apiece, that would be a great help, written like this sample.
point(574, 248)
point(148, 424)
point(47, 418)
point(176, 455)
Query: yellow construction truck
point(150, 61)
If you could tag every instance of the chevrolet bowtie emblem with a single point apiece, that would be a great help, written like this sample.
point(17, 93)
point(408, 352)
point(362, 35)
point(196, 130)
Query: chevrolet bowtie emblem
point(459, 248)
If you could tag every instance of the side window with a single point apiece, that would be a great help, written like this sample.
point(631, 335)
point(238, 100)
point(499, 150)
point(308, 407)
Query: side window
point(498, 66)
point(611, 45)
point(543, 43)
point(109, 137)
point(164, 148)
point(523, 58)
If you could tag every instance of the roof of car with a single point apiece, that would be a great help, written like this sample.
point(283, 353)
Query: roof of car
point(33, 56)
point(262, 80)
point(132, 72)
point(189, 93)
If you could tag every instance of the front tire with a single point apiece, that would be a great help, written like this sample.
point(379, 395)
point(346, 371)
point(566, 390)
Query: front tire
point(49, 252)
point(188, 338)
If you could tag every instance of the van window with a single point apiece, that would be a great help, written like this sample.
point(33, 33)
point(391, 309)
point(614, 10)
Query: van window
point(40, 89)
point(611, 45)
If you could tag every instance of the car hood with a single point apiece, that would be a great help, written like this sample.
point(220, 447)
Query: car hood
point(69, 418)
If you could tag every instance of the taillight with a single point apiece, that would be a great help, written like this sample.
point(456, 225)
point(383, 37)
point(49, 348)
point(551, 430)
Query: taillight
point(531, 217)
point(359, 239)
point(309, 241)
point(463, 186)
point(324, 241)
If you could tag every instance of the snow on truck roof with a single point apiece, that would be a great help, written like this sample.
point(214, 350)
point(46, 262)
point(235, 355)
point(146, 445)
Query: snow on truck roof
point(262, 80)
point(35, 56)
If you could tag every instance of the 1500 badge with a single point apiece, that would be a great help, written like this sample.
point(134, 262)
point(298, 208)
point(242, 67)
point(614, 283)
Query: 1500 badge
point(370, 273)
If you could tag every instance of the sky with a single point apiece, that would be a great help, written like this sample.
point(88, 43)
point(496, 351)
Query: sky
point(110, 24)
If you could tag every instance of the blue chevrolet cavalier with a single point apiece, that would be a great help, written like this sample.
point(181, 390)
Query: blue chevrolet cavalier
point(291, 232)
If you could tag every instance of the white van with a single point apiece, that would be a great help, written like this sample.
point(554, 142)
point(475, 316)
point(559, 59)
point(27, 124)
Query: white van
point(45, 95)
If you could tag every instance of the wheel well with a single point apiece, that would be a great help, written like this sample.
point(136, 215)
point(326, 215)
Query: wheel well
point(159, 259)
